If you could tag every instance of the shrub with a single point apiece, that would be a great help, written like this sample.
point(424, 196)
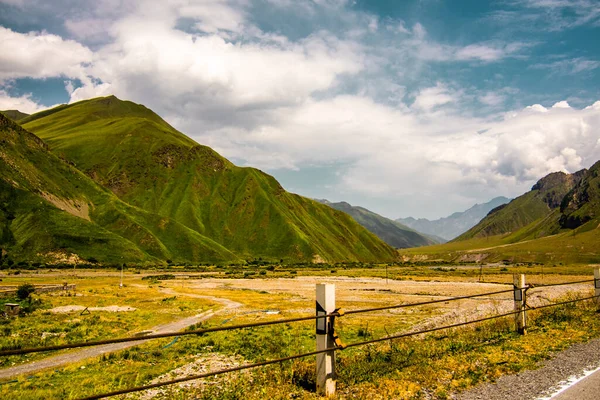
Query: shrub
point(25, 290)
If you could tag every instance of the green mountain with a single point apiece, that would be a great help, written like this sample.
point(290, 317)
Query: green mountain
point(15, 115)
point(557, 221)
point(50, 211)
point(393, 233)
point(151, 167)
point(534, 214)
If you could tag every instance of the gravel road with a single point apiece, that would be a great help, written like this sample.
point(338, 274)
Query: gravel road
point(80, 355)
point(542, 382)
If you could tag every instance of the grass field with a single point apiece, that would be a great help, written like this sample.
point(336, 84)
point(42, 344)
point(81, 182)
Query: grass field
point(436, 364)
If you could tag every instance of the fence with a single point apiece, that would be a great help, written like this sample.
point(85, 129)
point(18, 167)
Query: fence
point(11, 290)
point(328, 342)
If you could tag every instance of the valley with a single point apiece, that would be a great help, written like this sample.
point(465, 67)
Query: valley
point(212, 298)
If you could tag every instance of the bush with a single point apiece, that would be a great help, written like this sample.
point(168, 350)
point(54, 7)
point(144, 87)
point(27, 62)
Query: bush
point(25, 290)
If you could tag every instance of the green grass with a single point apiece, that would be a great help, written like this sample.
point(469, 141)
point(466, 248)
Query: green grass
point(439, 364)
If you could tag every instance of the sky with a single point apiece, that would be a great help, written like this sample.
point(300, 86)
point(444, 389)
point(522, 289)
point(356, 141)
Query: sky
point(409, 108)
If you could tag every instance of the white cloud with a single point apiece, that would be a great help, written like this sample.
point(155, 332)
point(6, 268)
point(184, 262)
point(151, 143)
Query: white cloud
point(40, 55)
point(22, 103)
point(548, 15)
point(151, 62)
point(537, 107)
point(561, 104)
point(432, 97)
point(573, 66)
point(275, 102)
point(492, 99)
point(394, 153)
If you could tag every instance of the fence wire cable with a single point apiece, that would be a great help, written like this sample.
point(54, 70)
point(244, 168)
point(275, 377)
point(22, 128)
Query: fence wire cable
point(231, 327)
point(535, 286)
point(355, 344)
point(424, 303)
point(207, 374)
point(13, 352)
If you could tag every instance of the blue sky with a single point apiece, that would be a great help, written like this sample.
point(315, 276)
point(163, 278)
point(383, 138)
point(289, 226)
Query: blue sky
point(409, 108)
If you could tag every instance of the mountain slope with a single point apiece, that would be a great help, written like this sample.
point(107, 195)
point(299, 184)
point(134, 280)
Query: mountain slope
point(15, 115)
point(557, 221)
point(391, 232)
point(534, 214)
point(452, 226)
point(130, 150)
point(50, 211)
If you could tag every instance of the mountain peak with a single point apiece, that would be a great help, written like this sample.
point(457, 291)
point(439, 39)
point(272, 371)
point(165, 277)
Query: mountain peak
point(15, 115)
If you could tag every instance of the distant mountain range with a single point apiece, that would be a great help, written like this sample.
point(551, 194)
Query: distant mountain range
point(110, 181)
point(456, 224)
point(393, 233)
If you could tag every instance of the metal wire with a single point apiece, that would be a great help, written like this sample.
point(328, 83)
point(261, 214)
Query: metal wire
point(424, 303)
point(231, 327)
point(534, 286)
point(207, 374)
point(463, 323)
point(356, 344)
point(158, 335)
point(242, 326)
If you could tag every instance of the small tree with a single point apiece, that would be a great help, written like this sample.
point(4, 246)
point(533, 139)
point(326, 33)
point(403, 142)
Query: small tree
point(24, 291)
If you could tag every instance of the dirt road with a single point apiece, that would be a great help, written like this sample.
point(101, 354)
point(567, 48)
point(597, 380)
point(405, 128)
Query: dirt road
point(80, 355)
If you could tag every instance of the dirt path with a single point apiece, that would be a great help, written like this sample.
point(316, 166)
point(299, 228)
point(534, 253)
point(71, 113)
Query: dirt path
point(73, 357)
point(509, 244)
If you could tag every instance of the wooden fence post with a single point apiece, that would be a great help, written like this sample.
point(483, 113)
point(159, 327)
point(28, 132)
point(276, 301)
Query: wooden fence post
point(597, 287)
point(325, 361)
point(519, 296)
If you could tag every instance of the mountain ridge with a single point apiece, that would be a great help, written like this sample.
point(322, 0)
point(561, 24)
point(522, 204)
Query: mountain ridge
point(391, 232)
point(557, 221)
point(129, 150)
point(455, 224)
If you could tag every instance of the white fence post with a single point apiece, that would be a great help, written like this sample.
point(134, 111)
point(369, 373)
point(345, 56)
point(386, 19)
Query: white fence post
point(519, 296)
point(326, 360)
point(597, 287)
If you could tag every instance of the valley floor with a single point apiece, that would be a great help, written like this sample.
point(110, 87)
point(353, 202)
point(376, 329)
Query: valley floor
point(187, 299)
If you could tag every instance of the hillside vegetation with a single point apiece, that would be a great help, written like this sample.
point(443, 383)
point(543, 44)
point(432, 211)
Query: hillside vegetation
point(50, 211)
point(557, 221)
point(174, 199)
point(393, 233)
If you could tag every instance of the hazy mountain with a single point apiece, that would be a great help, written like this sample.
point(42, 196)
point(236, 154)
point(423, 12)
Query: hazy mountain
point(143, 166)
point(457, 223)
point(393, 233)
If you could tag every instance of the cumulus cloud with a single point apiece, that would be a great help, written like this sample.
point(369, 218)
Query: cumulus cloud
point(40, 55)
point(432, 97)
point(394, 153)
point(22, 103)
point(277, 102)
